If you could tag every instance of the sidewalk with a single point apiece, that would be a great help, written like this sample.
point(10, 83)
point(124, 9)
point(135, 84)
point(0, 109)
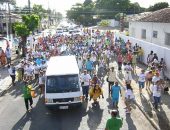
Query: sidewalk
point(5, 79)
point(160, 119)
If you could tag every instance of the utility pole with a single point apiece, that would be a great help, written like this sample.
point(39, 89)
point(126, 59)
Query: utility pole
point(48, 15)
point(29, 6)
point(10, 25)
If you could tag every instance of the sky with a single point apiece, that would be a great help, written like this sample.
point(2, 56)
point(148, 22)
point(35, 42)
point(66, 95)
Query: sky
point(63, 5)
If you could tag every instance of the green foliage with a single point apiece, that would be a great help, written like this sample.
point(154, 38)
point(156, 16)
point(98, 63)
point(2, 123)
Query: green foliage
point(40, 11)
point(13, 2)
point(104, 9)
point(104, 23)
point(29, 24)
point(82, 13)
point(31, 21)
point(158, 6)
point(21, 29)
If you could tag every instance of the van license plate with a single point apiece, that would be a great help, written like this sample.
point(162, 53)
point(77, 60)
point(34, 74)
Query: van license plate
point(63, 107)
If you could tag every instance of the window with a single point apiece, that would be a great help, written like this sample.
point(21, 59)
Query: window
point(167, 38)
point(155, 34)
point(133, 32)
point(143, 34)
point(61, 84)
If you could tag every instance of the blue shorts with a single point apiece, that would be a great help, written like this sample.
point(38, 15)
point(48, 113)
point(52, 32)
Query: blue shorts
point(141, 84)
point(115, 100)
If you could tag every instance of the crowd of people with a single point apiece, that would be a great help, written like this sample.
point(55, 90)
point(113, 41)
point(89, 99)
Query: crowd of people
point(95, 51)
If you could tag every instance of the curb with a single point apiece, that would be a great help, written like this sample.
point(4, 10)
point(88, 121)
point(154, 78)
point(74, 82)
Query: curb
point(4, 91)
point(140, 108)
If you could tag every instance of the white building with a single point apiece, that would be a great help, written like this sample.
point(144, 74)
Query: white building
point(153, 27)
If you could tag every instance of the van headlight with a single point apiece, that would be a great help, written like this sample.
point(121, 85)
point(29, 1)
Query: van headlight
point(77, 99)
point(48, 100)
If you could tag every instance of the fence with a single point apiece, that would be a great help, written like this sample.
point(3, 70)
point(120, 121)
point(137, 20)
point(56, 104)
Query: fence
point(162, 52)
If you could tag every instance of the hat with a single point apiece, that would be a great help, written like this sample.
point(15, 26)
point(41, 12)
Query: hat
point(114, 112)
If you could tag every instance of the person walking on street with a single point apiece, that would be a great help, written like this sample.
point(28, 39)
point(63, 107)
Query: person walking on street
point(12, 73)
point(141, 81)
point(85, 81)
point(27, 96)
point(41, 81)
point(115, 122)
point(156, 92)
point(89, 66)
point(129, 97)
point(2, 57)
point(111, 78)
point(116, 89)
point(8, 55)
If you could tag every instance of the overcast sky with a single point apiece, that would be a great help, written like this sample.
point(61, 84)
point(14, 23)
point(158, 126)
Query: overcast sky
point(63, 5)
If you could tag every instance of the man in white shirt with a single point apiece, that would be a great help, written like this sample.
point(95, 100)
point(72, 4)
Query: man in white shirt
point(156, 91)
point(41, 82)
point(8, 55)
point(11, 70)
point(141, 80)
point(155, 78)
point(85, 81)
point(80, 64)
point(36, 71)
point(94, 59)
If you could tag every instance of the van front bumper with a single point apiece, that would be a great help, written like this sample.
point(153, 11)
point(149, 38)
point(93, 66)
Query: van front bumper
point(62, 105)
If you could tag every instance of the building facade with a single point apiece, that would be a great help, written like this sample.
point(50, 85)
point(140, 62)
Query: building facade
point(154, 28)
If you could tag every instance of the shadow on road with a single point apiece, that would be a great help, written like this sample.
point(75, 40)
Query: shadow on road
point(131, 125)
point(95, 114)
point(21, 123)
point(42, 118)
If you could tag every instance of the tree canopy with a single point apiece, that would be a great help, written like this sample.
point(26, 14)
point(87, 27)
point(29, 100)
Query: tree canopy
point(23, 29)
point(102, 9)
point(40, 11)
point(158, 6)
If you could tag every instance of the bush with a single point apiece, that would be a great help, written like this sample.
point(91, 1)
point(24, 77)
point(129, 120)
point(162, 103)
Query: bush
point(104, 23)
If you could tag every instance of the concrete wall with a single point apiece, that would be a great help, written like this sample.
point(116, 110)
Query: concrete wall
point(162, 52)
point(135, 30)
point(113, 23)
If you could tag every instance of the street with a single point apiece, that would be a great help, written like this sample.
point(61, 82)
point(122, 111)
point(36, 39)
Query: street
point(88, 117)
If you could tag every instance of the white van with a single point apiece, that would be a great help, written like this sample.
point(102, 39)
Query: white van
point(62, 86)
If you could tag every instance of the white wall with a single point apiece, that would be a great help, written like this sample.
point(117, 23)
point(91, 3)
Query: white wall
point(135, 30)
point(162, 52)
point(113, 23)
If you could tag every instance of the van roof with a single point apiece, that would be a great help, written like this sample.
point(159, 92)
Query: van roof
point(62, 65)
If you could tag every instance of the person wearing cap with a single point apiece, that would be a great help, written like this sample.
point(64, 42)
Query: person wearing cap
point(115, 122)
point(27, 96)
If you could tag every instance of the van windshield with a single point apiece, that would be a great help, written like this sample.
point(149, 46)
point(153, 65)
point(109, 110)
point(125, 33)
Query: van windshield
point(62, 84)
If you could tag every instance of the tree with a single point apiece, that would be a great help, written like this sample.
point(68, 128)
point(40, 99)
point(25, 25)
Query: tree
point(158, 6)
point(23, 29)
point(12, 2)
point(40, 11)
point(82, 13)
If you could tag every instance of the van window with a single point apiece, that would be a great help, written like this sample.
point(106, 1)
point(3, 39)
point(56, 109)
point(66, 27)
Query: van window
point(62, 84)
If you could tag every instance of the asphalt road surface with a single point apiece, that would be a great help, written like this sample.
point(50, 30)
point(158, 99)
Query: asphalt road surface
point(13, 115)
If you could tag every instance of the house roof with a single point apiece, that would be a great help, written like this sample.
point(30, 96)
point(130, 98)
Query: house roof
point(160, 16)
point(136, 17)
